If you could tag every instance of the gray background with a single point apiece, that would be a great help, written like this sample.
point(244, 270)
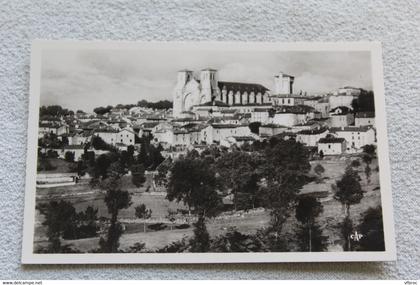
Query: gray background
point(395, 23)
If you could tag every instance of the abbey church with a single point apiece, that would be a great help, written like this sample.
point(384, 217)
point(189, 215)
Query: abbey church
point(191, 93)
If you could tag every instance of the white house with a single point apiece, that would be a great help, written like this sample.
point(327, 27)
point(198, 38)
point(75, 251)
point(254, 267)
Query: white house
point(311, 137)
point(108, 135)
point(52, 128)
point(126, 137)
point(341, 117)
point(287, 100)
point(112, 136)
point(260, 115)
point(331, 146)
point(288, 119)
point(341, 100)
point(356, 137)
point(364, 119)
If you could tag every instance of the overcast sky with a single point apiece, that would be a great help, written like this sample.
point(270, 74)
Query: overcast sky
point(85, 79)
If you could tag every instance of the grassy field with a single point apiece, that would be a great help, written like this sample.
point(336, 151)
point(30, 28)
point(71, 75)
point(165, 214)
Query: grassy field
point(83, 196)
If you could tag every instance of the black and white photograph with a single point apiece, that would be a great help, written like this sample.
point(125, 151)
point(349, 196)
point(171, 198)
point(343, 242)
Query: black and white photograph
point(147, 152)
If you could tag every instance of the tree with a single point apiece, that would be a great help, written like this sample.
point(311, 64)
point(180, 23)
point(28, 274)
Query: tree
point(355, 163)
point(321, 154)
point(163, 172)
point(285, 171)
point(372, 230)
point(88, 222)
point(348, 190)
point(238, 172)
point(102, 110)
point(69, 156)
point(255, 127)
point(171, 216)
point(60, 219)
point(309, 234)
point(201, 240)
point(100, 144)
point(137, 175)
point(143, 213)
point(234, 241)
point(319, 170)
point(369, 153)
point(193, 181)
point(115, 200)
point(346, 231)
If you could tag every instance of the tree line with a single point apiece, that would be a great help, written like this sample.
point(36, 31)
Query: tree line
point(270, 176)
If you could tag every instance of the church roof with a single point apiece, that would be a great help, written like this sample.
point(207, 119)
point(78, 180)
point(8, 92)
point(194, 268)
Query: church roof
point(242, 87)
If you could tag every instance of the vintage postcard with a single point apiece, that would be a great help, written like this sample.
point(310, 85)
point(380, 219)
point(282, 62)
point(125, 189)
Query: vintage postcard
point(207, 152)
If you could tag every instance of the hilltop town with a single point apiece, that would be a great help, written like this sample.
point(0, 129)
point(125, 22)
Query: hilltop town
point(225, 114)
point(239, 158)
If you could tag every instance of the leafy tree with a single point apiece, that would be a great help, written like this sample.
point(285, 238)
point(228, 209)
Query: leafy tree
point(309, 234)
point(100, 144)
point(194, 182)
point(100, 169)
point(137, 175)
point(171, 216)
point(60, 219)
point(234, 241)
point(355, 163)
point(285, 171)
point(319, 170)
point(237, 171)
point(115, 199)
point(372, 230)
point(348, 190)
point(201, 240)
point(369, 153)
point(255, 127)
point(69, 156)
point(143, 213)
point(137, 247)
point(346, 231)
point(164, 104)
point(53, 111)
point(87, 223)
point(102, 110)
point(177, 246)
point(163, 172)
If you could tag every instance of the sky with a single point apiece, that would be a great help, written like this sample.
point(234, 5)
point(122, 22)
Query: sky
point(85, 79)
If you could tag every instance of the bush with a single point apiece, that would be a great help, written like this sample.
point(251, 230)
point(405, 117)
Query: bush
point(157, 227)
point(182, 226)
point(69, 156)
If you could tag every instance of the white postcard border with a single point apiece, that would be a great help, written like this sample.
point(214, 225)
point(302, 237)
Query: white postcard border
point(28, 257)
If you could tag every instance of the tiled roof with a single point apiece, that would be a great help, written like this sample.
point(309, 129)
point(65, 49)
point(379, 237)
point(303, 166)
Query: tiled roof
point(313, 132)
point(351, 129)
point(331, 140)
point(242, 87)
point(149, 125)
point(244, 138)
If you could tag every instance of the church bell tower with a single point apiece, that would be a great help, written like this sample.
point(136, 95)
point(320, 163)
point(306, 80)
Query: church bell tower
point(183, 77)
point(209, 88)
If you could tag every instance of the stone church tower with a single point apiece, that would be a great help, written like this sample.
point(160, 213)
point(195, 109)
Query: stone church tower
point(208, 81)
point(189, 91)
point(178, 94)
point(283, 84)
